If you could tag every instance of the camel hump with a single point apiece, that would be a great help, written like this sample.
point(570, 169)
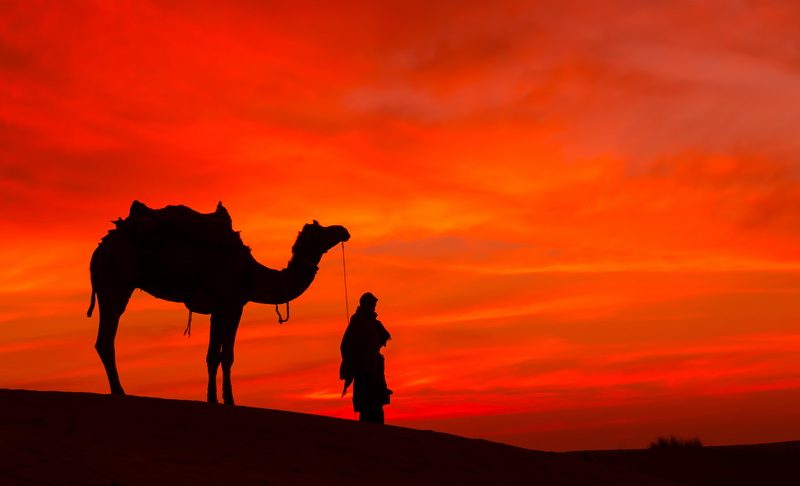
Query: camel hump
point(179, 222)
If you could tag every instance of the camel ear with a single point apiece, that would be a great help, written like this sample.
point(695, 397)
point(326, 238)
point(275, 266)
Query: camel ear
point(316, 223)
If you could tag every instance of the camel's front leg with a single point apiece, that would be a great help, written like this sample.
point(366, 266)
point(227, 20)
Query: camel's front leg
point(213, 356)
point(228, 339)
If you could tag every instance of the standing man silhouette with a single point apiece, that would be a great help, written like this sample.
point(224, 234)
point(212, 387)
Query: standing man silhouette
point(362, 361)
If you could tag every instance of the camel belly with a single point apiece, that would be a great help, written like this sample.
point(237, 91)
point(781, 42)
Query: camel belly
point(203, 287)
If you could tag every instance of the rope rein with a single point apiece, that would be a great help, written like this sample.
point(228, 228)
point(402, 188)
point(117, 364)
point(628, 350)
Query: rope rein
point(346, 300)
point(281, 276)
point(281, 320)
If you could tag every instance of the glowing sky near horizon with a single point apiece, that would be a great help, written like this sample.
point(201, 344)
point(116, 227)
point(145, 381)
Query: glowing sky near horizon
point(582, 220)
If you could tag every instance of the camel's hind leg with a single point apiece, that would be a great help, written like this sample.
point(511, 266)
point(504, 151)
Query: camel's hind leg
point(112, 305)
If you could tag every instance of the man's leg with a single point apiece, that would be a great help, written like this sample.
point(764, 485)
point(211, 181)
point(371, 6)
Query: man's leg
point(372, 412)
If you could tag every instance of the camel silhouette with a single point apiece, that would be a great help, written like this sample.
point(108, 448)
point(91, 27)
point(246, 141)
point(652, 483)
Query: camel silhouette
point(180, 255)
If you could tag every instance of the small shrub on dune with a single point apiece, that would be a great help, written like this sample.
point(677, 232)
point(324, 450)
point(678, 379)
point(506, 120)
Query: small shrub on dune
point(673, 442)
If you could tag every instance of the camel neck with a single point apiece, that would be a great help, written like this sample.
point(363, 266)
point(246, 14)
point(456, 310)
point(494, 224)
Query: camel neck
point(270, 286)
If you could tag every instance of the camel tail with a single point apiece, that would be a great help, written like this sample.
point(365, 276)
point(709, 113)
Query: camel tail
point(91, 306)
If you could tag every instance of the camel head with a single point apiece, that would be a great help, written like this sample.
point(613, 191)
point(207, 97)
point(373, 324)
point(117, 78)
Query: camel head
point(315, 240)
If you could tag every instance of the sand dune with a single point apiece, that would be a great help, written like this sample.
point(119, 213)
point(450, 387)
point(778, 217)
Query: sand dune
point(81, 438)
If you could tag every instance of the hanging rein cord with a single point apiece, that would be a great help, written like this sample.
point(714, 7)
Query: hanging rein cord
point(346, 304)
point(281, 320)
point(346, 308)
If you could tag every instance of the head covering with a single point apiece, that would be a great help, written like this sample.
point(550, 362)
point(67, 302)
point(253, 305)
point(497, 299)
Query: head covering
point(367, 299)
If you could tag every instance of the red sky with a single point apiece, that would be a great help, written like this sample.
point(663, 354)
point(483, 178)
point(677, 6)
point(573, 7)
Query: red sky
point(581, 220)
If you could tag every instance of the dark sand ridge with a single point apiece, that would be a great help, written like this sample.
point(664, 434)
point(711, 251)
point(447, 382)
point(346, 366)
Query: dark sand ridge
point(82, 438)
